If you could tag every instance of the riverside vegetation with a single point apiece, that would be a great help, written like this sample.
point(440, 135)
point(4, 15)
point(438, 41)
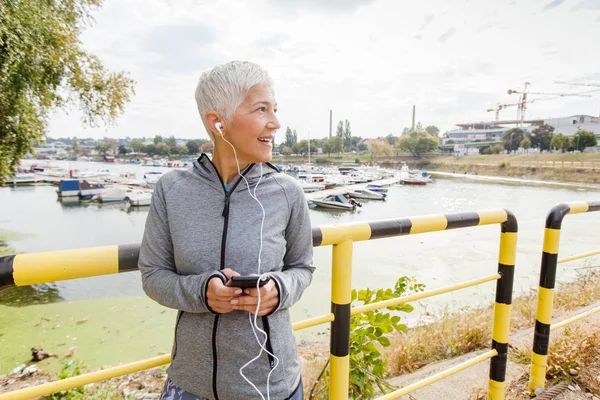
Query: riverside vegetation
point(390, 349)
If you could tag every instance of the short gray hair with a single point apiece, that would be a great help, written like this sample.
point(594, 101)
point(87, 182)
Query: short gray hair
point(224, 88)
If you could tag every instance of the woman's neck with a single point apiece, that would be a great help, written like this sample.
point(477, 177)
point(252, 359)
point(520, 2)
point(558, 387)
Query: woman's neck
point(224, 162)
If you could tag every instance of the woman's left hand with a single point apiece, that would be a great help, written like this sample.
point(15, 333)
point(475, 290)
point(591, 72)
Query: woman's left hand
point(269, 299)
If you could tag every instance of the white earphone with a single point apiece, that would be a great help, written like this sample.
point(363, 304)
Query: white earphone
point(219, 127)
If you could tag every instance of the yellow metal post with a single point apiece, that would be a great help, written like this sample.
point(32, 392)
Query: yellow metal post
point(504, 288)
point(341, 292)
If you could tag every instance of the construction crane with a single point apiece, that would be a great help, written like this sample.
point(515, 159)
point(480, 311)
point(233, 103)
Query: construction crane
point(578, 84)
point(523, 101)
point(501, 107)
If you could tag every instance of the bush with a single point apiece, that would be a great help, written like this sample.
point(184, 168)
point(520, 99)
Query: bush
point(322, 160)
point(357, 160)
point(368, 333)
point(503, 165)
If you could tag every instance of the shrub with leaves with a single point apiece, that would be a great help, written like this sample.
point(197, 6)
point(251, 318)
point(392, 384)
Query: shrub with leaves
point(368, 333)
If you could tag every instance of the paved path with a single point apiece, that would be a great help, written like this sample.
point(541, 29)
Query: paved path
point(468, 383)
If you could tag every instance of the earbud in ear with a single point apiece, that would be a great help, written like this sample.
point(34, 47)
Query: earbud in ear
point(219, 127)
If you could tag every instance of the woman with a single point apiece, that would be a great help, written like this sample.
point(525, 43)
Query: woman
point(208, 224)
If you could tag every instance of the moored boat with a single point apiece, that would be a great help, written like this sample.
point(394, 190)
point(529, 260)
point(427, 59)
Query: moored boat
point(336, 202)
point(22, 179)
point(376, 188)
point(139, 198)
point(366, 194)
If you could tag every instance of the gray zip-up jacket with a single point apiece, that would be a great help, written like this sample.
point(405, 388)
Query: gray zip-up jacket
point(195, 228)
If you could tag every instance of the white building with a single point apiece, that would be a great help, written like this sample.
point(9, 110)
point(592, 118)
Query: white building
point(494, 130)
point(568, 126)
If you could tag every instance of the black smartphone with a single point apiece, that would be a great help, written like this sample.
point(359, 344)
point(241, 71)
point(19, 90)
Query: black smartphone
point(248, 282)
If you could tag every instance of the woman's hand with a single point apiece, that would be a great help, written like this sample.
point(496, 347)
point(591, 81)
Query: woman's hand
point(269, 299)
point(219, 296)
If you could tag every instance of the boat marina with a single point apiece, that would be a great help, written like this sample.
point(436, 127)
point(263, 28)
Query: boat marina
point(335, 188)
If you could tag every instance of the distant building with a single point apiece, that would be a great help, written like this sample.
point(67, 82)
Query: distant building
point(568, 126)
point(494, 130)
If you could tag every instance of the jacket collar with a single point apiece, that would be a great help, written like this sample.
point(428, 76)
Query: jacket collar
point(206, 169)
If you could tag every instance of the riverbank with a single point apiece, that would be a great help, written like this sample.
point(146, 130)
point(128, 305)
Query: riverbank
point(451, 335)
point(560, 167)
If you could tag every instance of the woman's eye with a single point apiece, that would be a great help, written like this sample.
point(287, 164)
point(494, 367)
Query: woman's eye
point(263, 109)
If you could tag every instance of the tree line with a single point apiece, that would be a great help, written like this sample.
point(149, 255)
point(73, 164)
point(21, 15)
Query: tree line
point(544, 139)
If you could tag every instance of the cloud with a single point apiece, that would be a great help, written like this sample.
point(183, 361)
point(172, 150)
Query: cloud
point(331, 5)
point(587, 5)
point(444, 37)
point(552, 4)
point(181, 47)
point(428, 20)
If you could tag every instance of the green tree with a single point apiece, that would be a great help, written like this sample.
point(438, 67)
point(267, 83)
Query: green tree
point(193, 146)
point(137, 145)
point(525, 143)
point(326, 147)
point(286, 151)
point(363, 147)
point(162, 149)
point(391, 139)
point(43, 66)
point(123, 150)
point(182, 150)
point(418, 142)
point(76, 148)
point(433, 130)
point(158, 139)
point(337, 145)
point(583, 139)
point(150, 149)
point(289, 137)
point(302, 147)
point(559, 142)
point(347, 135)
point(171, 141)
point(103, 148)
point(339, 132)
point(295, 136)
point(419, 127)
point(541, 136)
point(512, 138)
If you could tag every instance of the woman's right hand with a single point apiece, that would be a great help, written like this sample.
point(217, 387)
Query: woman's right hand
point(219, 296)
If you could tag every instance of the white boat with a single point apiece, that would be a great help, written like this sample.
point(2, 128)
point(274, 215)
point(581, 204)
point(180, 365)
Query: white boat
point(22, 179)
point(377, 188)
point(139, 198)
point(336, 202)
point(151, 177)
point(308, 187)
point(366, 194)
point(88, 190)
point(113, 195)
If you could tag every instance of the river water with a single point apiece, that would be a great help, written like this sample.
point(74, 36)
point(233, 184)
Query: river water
point(435, 259)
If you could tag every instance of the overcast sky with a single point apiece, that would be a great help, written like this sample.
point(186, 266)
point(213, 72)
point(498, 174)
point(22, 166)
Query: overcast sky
point(367, 60)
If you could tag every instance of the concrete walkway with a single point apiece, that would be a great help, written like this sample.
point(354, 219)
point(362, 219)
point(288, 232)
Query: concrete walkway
point(468, 383)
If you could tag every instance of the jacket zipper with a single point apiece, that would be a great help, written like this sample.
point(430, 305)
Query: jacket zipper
point(225, 215)
point(270, 353)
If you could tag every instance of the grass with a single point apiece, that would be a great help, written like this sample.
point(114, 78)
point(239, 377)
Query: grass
point(457, 333)
point(453, 334)
point(573, 358)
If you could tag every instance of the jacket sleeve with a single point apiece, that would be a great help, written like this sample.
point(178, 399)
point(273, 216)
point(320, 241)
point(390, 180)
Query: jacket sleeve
point(160, 279)
point(297, 270)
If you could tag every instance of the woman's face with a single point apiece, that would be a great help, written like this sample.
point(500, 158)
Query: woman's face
point(253, 126)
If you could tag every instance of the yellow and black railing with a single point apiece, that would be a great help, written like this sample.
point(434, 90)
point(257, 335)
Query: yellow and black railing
point(36, 268)
point(28, 269)
point(541, 337)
